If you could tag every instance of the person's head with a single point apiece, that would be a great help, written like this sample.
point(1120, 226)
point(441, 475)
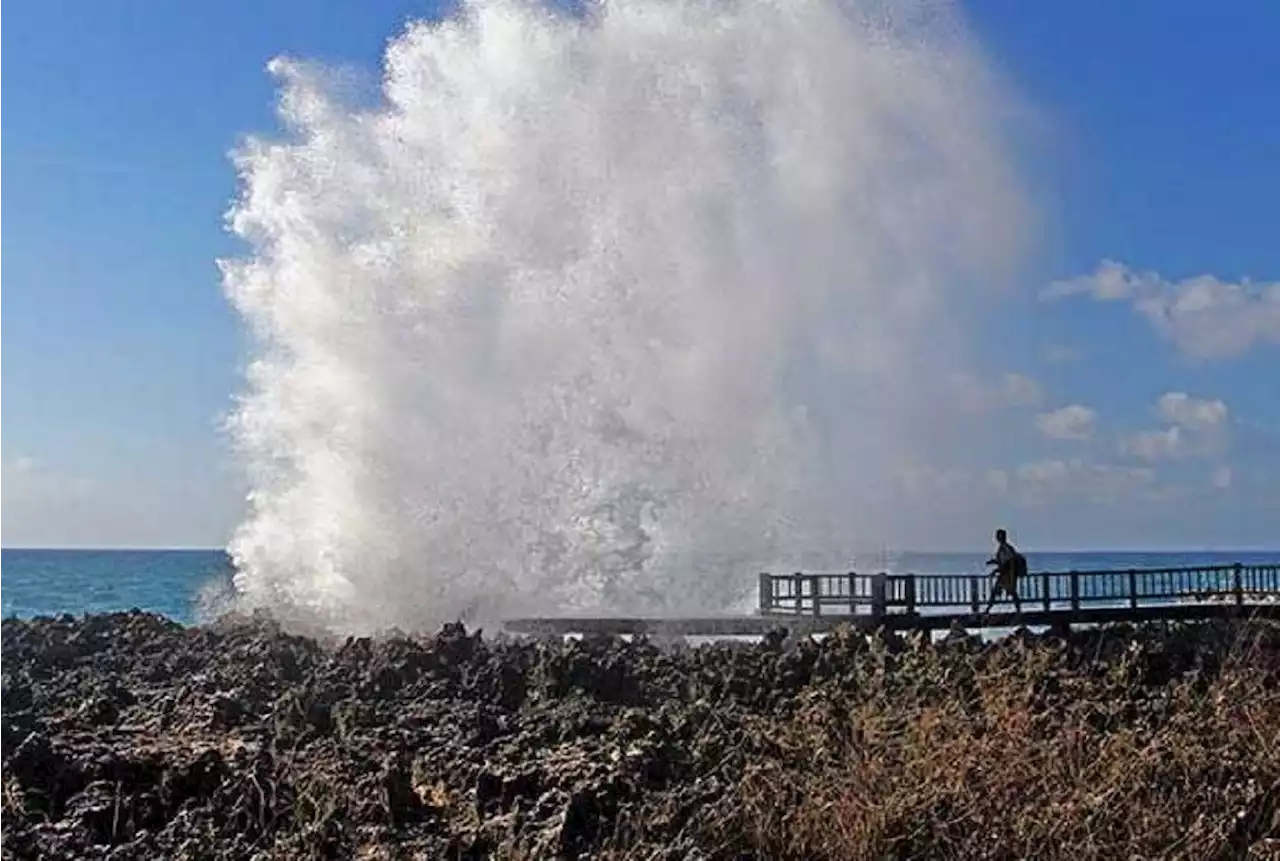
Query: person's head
point(1001, 536)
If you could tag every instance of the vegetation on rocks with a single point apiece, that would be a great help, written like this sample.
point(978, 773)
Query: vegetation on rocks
point(128, 736)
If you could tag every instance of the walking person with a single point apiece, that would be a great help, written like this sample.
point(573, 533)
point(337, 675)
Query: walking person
point(1010, 565)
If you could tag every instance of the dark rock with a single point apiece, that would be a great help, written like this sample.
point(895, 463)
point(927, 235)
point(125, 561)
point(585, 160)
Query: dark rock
point(128, 736)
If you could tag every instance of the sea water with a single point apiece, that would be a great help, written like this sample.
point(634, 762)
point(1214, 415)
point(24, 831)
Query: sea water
point(177, 582)
point(50, 582)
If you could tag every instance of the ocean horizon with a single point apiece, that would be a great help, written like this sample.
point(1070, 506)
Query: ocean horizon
point(53, 581)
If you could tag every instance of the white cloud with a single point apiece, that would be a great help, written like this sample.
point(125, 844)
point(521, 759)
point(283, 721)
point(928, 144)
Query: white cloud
point(19, 468)
point(1155, 445)
point(49, 504)
point(1010, 390)
point(1195, 427)
point(1111, 282)
point(1203, 316)
point(1179, 408)
point(1038, 481)
point(18, 477)
point(26, 479)
point(1074, 422)
point(1076, 477)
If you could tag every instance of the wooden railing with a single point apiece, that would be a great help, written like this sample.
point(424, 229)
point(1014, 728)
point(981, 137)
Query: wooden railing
point(851, 593)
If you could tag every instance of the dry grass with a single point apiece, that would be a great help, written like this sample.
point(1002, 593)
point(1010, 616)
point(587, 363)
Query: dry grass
point(1033, 763)
point(1132, 743)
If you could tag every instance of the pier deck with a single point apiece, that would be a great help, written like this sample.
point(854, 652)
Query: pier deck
point(814, 602)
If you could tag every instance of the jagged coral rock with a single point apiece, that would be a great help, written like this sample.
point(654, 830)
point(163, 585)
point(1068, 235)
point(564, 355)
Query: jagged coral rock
point(129, 736)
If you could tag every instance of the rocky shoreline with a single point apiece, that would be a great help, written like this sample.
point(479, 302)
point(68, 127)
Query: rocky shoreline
point(1248, 597)
point(129, 736)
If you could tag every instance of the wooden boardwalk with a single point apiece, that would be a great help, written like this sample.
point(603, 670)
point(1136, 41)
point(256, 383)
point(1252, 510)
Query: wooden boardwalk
point(820, 601)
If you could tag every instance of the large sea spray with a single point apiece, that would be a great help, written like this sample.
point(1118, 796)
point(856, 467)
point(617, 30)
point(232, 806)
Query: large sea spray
point(603, 310)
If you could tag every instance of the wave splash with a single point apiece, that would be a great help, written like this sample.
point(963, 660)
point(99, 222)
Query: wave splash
point(601, 311)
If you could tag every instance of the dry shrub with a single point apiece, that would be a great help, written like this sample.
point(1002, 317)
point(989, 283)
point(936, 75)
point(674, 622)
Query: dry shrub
point(1040, 761)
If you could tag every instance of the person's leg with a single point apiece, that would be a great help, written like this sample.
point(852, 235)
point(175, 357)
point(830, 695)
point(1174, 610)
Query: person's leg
point(1009, 585)
point(995, 593)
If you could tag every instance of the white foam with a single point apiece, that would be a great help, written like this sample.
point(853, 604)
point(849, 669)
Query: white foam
point(603, 313)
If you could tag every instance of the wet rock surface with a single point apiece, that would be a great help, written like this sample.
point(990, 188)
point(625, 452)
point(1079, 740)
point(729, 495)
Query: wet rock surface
point(129, 736)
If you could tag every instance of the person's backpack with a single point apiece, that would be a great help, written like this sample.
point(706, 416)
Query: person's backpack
point(1019, 565)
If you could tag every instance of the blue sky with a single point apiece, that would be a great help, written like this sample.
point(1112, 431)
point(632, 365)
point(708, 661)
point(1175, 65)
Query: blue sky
point(1154, 145)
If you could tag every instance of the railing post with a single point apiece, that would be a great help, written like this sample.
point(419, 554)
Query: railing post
point(765, 593)
point(878, 595)
point(798, 580)
point(973, 595)
point(1075, 590)
point(1237, 583)
point(817, 595)
point(911, 594)
point(1044, 584)
point(1133, 589)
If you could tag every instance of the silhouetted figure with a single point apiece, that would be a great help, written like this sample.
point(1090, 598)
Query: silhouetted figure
point(1010, 565)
